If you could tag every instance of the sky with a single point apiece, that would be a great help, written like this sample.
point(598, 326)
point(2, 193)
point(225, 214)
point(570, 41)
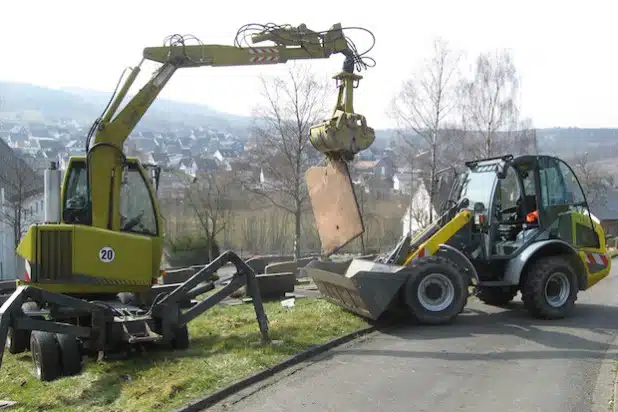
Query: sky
point(565, 51)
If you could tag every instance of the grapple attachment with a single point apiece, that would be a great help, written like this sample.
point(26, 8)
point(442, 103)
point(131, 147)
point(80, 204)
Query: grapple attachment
point(345, 133)
point(361, 286)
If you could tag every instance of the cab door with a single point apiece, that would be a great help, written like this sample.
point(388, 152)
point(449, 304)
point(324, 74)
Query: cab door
point(564, 212)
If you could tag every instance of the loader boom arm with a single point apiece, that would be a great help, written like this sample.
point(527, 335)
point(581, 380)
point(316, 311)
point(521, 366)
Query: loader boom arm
point(107, 136)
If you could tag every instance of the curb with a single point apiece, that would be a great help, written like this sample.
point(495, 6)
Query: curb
point(209, 400)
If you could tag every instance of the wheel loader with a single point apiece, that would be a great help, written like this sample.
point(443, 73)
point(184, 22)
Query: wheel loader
point(512, 224)
point(89, 285)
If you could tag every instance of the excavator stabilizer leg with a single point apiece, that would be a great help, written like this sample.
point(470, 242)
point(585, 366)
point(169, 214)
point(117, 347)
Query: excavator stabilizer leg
point(10, 306)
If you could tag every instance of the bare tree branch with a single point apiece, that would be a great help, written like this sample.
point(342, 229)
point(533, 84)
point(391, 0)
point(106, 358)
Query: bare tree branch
point(425, 106)
point(209, 198)
point(594, 182)
point(292, 104)
point(489, 109)
point(20, 183)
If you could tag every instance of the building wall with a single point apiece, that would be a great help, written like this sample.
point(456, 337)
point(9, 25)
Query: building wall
point(417, 214)
point(610, 227)
point(10, 263)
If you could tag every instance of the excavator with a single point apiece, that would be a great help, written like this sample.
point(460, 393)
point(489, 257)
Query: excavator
point(103, 230)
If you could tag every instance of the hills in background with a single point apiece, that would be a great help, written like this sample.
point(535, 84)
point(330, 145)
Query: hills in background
point(28, 102)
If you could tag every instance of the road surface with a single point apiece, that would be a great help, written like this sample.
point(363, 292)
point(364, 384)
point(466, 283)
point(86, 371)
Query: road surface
point(490, 360)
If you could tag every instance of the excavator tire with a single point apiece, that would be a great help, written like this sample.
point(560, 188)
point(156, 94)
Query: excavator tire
point(46, 355)
point(436, 290)
point(496, 296)
point(550, 288)
point(17, 340)
point(70, 354)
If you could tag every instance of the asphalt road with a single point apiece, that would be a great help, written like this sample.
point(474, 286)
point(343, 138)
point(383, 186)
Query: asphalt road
point(490, 360)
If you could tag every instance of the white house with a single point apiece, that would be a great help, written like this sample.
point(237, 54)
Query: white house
point(417, 213)
point(32, 212)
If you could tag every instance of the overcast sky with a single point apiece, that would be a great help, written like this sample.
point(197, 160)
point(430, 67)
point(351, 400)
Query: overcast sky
point(565, 52)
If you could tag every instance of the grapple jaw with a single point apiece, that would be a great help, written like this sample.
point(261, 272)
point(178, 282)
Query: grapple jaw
point(344, 133)
point(360, 286)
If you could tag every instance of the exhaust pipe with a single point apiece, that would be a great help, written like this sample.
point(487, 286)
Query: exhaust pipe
point(52, 181)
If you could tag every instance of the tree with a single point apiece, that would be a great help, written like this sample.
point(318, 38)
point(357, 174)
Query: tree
point(489, 109)
point(209, 198)
point(20, 184)
point(594, 182)
point(423, 108)
point(292, 104)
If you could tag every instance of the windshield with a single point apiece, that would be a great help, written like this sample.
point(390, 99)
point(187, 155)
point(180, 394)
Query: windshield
point(477, 187)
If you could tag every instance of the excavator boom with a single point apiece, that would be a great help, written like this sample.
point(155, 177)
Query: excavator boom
point(345, 132)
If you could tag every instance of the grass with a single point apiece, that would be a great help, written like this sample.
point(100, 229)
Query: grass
point(225, 347)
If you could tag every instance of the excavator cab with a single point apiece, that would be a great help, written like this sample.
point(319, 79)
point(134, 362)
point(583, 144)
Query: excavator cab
point(81, 259)
point(514, 224)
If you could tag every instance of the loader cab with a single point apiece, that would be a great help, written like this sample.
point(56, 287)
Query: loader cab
point(527, 199)
point(138, 207)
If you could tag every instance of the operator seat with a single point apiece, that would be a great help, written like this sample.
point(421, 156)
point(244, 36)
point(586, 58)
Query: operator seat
point(525, 205)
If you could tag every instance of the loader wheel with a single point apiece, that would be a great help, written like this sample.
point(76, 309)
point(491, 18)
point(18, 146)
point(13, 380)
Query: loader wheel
point(46, 355)
point(550, 288)
point(496, 296)
point(436, 291)
point(70, 354)
point(17, 340)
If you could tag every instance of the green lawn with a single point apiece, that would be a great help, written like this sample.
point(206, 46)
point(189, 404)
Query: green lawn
point(225, 347)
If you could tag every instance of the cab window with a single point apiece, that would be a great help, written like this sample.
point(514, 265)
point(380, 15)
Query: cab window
point(137, 213)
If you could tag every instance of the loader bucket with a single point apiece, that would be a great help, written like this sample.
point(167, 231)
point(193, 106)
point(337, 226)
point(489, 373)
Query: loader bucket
point(360, 286)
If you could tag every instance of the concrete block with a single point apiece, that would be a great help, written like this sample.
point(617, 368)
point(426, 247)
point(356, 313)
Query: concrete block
point(279, 267)
point(275, 285)
point(177, 275)
point(288, 266)
point(259, 263)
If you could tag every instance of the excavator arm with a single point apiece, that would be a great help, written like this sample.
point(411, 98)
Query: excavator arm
point(339, 137)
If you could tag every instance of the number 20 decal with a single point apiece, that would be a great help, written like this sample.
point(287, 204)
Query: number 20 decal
point(107, 254)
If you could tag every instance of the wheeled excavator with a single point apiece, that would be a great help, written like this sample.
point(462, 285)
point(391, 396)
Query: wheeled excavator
point(103, 230)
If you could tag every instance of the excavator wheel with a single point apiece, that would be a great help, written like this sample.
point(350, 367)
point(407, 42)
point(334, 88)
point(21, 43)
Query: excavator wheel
point(17, 340)
point(46, 355)
point(496, 296)
point(70, 354)
point(436, 290)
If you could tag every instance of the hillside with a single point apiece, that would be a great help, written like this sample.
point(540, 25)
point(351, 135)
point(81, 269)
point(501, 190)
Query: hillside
point(19, 100)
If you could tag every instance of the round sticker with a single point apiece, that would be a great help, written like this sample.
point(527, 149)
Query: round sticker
point(107, 254)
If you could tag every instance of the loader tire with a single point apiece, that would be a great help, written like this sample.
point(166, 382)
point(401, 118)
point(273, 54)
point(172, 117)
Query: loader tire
point(550, 288)
point(45, 355)
point(70, 354)
point(436, 291)
point(496, 296)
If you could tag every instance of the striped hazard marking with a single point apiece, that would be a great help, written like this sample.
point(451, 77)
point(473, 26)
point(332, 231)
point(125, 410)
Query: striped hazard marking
point(421, 253)
point(596, 261)
point(264, 55)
